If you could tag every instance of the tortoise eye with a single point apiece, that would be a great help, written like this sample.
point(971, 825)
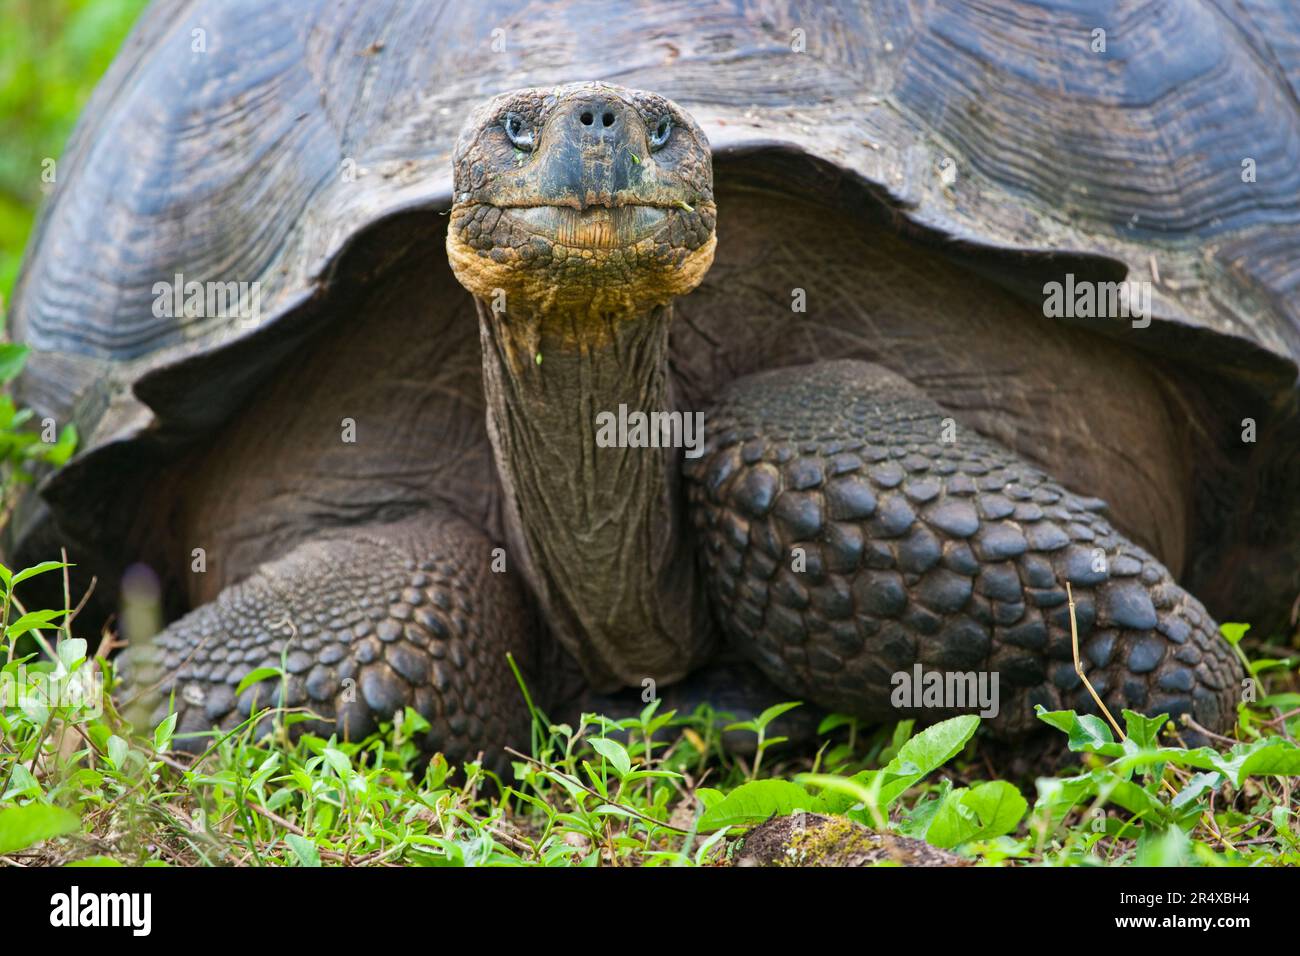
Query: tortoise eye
point(519, 132)
point(659, 136)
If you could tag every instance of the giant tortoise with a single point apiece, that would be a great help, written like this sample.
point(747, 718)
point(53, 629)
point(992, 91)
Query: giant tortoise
point(839, 352)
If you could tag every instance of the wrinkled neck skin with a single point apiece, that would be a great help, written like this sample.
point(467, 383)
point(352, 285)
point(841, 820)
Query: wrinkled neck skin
point(599, 533)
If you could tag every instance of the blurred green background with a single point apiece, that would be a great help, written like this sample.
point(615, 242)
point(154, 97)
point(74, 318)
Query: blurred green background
point(52, 53)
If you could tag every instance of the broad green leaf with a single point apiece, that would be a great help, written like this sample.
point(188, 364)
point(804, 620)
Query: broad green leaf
point(917, 757)
point(338, 761)
point(1197, 758)
point(1135, 799)
point(842, 793)
point(1060, 795)
point(1269, 756)
point(1162, 847)
point(927, 751)
point(71, 652)
point(614, 752)
point(917, 820)
point(709, 797)
point(1287, 701)
point(755, 802)
point(24, 827)
point(1142, 730)
point(983, 812)
point(1234, 632)
point(1196, 786)
point(1088, 733)
point(22, 784)
point(305, 850)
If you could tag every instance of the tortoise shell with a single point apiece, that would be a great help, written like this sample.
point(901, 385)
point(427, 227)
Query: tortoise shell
point(238, 141)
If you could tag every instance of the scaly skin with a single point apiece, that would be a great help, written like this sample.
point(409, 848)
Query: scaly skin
point(951, 554)
point(395, 616)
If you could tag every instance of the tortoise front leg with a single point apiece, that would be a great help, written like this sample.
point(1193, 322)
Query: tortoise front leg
point(368, 622)
point(852, 529)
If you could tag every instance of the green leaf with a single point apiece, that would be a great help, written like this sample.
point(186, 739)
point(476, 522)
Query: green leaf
point(756, 801)
point(117, 751)
point(1196, 786)
point(32, 621)
point(24, 827)
point(1198, 758)
point(833, 722)
point(845, 792)
point(60, 451)
point(1287, 701)
point(338, 761)
point(917, 821)
point(12, 358)
point(22, 784)
point(1162, 847)
point(709, 797)
point(983, 812)
point(927, 751)
point(775, 711)
point(1088, 733)
point(162, 735)
point(1143, 731)
point(95, 861)
point(71, 652)
point(614, 752)
point(255, 676)
point(36, 569)
point(305, 850)
point(1265, 757)
point(920, 755)
point(1136, 799)
point(1234, 632)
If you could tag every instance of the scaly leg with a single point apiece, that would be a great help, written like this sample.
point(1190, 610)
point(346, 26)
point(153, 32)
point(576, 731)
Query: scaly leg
point(851, 529)
point(376, 620)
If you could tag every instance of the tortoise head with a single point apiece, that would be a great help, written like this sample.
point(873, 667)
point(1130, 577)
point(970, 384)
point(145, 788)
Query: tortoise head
point(582, 198)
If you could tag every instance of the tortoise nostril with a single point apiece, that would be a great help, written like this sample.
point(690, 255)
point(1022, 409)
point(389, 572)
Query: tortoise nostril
point(587, 119)
point(607, 119)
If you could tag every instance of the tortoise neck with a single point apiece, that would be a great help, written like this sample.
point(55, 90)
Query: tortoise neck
point(593, 509)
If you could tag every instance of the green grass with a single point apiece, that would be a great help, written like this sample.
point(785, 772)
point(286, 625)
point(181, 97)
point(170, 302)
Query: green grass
point(79, 787)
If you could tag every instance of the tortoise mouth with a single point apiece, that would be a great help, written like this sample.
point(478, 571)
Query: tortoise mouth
point(596, 227)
